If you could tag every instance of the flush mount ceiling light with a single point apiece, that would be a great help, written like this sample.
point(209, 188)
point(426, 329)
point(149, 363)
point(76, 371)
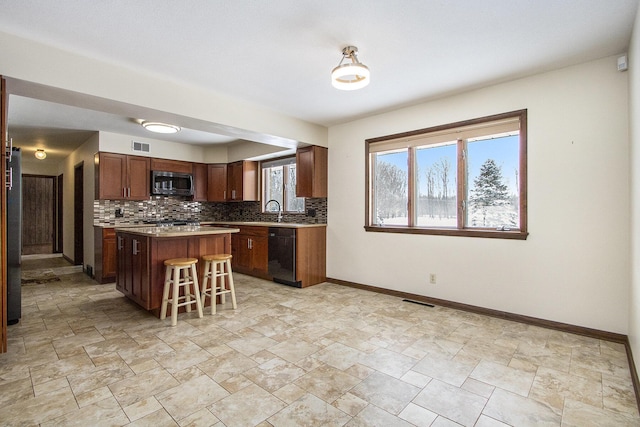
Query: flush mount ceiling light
point(158, 127)
point(40, 154)
point(350, 76)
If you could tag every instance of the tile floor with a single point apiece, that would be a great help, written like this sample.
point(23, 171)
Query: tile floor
point(326, 355)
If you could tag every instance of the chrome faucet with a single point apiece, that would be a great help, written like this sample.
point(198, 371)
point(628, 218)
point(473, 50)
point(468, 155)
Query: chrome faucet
point(279, 219)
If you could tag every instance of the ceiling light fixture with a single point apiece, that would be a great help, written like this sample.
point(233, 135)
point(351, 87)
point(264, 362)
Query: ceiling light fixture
point(350, 76)
point(158, 127)
point(40, 154)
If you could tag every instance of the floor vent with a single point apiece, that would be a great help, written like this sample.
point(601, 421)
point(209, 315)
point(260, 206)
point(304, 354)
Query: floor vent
point(140, 146)
point(418, 302)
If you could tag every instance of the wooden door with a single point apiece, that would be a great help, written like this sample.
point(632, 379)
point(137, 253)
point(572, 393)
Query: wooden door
point(78, 214)
point(59, 209)
point(38, 210)
point(217, 188)
point(138, 172)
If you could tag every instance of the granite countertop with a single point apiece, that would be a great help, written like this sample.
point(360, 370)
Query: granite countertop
point(262, 224)
point(208, 224)
point(176, 231)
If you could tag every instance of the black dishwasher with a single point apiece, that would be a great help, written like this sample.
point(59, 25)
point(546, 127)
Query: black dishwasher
point(282, 256)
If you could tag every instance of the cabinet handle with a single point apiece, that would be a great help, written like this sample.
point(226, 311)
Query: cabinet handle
point(225, 195)
point(233, 194)
point(135, 247)
point(120, 243)
point(250, 243)
point(129, 192)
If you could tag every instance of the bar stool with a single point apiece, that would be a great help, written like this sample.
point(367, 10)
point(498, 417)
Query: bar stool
point(181, 273)
point(217, 267)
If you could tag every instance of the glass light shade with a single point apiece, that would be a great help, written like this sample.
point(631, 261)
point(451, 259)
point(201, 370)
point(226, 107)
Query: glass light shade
point(350, 76)
point(158, 127)
point(40, 154)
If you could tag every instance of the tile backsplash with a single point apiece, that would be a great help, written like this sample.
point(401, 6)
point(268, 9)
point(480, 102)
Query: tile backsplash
point(123, 212)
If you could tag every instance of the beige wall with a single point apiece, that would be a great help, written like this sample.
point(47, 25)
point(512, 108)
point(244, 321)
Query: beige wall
point(634, 114)
point(84, 153)
point(573, 268)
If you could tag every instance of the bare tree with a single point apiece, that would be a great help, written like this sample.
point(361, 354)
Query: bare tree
point(391, 190)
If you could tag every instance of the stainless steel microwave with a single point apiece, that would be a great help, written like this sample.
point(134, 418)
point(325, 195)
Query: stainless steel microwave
point(171, 183)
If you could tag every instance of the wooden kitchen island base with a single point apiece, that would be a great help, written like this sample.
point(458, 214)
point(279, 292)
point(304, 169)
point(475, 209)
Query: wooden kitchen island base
point(141, 252)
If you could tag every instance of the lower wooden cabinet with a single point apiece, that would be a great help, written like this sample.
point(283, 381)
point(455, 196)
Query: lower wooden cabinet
point(250, 250)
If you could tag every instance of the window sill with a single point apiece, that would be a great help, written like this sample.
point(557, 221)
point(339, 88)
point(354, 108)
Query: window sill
point(490, 234)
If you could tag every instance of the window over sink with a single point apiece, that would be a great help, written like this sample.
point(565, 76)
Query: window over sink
point(279, 184)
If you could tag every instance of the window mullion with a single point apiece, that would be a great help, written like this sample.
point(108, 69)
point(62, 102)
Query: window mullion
point(285, 182)
point(412, 187)
point(462, 183)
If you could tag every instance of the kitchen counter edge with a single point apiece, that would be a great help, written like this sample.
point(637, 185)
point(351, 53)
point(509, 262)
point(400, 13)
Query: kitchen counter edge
point(177, 231)
point(261, 224)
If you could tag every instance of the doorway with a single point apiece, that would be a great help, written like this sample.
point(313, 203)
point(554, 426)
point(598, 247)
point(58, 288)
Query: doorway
point(38, 211)
point(78, 214)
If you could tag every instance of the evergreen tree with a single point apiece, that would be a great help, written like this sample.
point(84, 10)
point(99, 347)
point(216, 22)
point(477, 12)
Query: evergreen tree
point(490, 200)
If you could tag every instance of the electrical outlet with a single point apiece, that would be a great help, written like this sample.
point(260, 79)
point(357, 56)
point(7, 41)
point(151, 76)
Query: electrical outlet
point(432, 278)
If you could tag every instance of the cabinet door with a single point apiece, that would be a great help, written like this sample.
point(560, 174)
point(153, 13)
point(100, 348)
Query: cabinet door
point(123, 265)
point(311, 171)
point(243, 259)
point(109, 254)
point(112, 172)
point(166, 165)
point(242, 181)
point(200, 184)
point(234, 181)
point(139, 271)
point(138, 171)
point(260, 254)
point(217, 188)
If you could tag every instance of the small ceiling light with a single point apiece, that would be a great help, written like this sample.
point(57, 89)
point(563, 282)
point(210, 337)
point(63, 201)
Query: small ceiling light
point(350, 76)
point(158, 127)
point(40, 154)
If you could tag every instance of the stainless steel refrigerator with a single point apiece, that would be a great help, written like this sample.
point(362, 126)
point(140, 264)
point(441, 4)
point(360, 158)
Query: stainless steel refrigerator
point(14, 238)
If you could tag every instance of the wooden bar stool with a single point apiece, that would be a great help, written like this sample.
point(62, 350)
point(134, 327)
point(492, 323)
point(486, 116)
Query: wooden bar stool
point(217, 275)
point(181, 273)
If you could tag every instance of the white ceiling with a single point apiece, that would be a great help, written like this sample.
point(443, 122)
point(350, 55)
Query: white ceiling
point(279, 53)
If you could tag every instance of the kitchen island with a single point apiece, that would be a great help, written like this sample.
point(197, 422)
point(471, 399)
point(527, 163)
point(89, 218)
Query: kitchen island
point(141, 252)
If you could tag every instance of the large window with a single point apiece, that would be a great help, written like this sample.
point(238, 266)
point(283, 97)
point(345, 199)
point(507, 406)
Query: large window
point(466, 178)
point(279, 184)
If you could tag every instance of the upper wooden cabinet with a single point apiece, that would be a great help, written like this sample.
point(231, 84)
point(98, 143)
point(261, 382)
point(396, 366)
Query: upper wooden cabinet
point(200, 182)
point(311, 170)
point(217, 188)
point(166, 165)
point(242, 181)
point(122, 177)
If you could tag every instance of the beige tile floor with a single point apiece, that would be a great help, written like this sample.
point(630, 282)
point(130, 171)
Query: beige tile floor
point(326, 355)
